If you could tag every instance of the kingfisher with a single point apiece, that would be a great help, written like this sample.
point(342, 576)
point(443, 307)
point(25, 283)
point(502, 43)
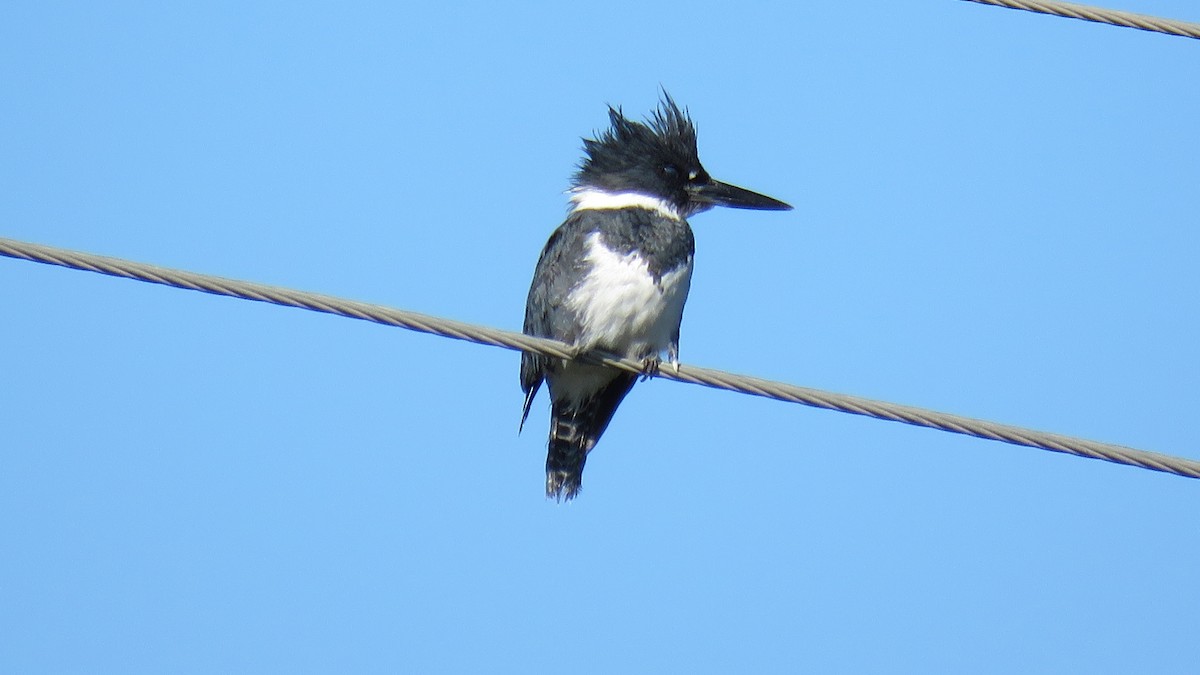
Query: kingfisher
point(615, 275)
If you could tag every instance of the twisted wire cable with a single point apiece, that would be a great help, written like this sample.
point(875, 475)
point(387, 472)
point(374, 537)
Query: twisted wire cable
point(1114, 17)
point(517, 341)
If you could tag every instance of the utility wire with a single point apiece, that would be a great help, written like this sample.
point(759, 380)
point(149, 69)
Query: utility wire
point(1101, 15)
point(518, 341)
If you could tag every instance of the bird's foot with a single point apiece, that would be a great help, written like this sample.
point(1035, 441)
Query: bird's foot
point(650, 366)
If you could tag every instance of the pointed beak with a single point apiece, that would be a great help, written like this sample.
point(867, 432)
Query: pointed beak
point(716, 193)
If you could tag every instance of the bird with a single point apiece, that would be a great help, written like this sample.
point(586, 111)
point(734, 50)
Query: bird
point(615, 275)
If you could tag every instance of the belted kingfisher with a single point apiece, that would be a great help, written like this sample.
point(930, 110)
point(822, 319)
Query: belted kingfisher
point(615, 275)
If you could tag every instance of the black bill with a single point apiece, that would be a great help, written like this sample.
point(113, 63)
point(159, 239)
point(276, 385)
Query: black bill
point(723, 194)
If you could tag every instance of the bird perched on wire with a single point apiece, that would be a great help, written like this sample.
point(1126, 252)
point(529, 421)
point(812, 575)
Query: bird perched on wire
point(615, 275)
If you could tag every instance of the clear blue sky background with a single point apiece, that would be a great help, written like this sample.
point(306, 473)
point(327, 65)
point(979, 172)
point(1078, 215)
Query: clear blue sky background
point(995, 216)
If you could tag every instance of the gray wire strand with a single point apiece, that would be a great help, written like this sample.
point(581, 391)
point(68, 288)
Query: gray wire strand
point(1100, 15)
point(518, 341)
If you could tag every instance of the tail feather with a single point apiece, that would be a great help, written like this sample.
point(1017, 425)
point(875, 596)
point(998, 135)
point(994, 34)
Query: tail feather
point(574, 432)
point(569, 445)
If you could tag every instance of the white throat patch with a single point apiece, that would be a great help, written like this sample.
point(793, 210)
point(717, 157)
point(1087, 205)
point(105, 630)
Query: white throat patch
point(592, 198)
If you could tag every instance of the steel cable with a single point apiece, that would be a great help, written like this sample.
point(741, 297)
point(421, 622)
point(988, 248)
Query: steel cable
point(517, 341)
point(1100, 15)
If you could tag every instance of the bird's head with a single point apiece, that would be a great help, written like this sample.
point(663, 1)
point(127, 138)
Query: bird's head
point(658, 159)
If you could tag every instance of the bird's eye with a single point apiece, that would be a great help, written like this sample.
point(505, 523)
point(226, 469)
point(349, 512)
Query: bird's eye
point(670, 171)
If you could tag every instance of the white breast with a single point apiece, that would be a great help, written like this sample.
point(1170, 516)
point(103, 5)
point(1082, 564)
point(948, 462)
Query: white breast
point(622, 308)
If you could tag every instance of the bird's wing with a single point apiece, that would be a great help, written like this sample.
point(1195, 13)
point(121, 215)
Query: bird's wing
point(546, 312)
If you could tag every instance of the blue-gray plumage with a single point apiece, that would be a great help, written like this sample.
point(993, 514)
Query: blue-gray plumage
point(615, 275)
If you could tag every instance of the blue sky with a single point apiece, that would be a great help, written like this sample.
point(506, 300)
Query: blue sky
point(995, 216)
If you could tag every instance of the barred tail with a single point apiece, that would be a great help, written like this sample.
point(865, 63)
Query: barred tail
point(574, 432)
point(569, 446)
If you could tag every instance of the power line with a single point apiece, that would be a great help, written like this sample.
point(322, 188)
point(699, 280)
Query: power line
point(1100, 15)
point(518, 341)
